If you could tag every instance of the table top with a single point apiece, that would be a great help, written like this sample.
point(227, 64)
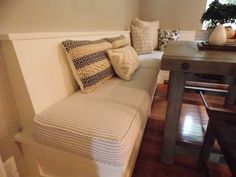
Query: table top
point(185, 56)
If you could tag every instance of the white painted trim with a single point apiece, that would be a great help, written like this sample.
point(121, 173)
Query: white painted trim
point(29, 36)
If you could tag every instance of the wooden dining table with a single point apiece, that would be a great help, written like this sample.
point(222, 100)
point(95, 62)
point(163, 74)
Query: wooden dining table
point(183, 58)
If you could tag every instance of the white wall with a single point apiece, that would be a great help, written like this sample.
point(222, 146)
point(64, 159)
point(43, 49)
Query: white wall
point(66, 15)
point(183, 14)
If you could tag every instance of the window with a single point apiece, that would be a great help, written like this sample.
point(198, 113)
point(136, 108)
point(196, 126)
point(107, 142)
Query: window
point(223, 2)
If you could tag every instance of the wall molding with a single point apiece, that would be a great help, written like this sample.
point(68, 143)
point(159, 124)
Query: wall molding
point(29, 36)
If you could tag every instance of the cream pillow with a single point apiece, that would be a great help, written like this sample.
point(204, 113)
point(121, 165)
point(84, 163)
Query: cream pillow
point(119, 41)
point(154, 26)
point(141, 39)
point(124, 61)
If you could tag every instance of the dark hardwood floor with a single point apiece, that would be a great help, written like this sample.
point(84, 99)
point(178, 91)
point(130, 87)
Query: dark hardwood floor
point(192, 127)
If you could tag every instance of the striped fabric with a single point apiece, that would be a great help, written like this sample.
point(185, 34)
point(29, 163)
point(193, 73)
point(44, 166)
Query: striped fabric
point(118, 42)
point(107, 133)
point(89, 62)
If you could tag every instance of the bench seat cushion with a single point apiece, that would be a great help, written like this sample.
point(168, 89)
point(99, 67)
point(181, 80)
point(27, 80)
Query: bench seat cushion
point(102, 125)
point(151, 60)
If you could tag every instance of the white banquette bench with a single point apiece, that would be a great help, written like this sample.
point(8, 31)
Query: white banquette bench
point(66, 133)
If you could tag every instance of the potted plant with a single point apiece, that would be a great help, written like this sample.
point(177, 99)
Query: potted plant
point(218, 13)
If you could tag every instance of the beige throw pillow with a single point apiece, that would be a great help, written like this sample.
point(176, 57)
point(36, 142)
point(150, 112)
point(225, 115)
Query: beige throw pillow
point(119, 41)
point(89, 62)
point(124, 61)
point(141, 39)
point(154, 26)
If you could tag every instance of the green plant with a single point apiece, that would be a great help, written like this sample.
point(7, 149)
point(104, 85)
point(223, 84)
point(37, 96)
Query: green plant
point(218, 13)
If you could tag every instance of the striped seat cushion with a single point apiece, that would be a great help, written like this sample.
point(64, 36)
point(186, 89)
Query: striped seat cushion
point(103, 125)
point(89, 62)
point(106, 134)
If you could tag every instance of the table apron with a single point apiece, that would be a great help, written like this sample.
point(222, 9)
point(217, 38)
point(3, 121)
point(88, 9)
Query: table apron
point(218, 68)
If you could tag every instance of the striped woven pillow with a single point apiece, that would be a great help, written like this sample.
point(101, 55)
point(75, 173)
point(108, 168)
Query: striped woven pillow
point(119, 41)
point(89, 62)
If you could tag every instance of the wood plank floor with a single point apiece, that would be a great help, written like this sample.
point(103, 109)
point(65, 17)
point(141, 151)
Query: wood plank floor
point(192, 128)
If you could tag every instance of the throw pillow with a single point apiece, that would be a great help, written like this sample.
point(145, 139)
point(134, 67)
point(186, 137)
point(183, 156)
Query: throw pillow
point(141, 39)
point(89, 62)
point(118, 41)
point(165, 36)
point(154, 27)
point(124, 61)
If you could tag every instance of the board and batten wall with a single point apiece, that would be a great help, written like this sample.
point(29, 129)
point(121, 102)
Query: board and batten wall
point(183, 14)
point(22, 16)
point(9, 120)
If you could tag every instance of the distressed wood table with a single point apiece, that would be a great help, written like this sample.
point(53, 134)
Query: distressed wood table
point(182, 58)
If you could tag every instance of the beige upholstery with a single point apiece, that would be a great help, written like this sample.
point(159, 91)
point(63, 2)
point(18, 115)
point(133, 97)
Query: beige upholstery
point(102, 125)
point(124, 61)
point(154, 26)
point(119, 41)
point(150, 60)
point(141, 39)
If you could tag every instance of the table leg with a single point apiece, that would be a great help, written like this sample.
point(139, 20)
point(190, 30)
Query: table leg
point(231, 97)
point(176, 90)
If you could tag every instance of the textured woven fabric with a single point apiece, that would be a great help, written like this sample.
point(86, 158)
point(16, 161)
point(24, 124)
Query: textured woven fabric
point(154, 27)
point(89, 62)
point(124, 61)
point(166, 36)
point(119, 41)
point(141, 39)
